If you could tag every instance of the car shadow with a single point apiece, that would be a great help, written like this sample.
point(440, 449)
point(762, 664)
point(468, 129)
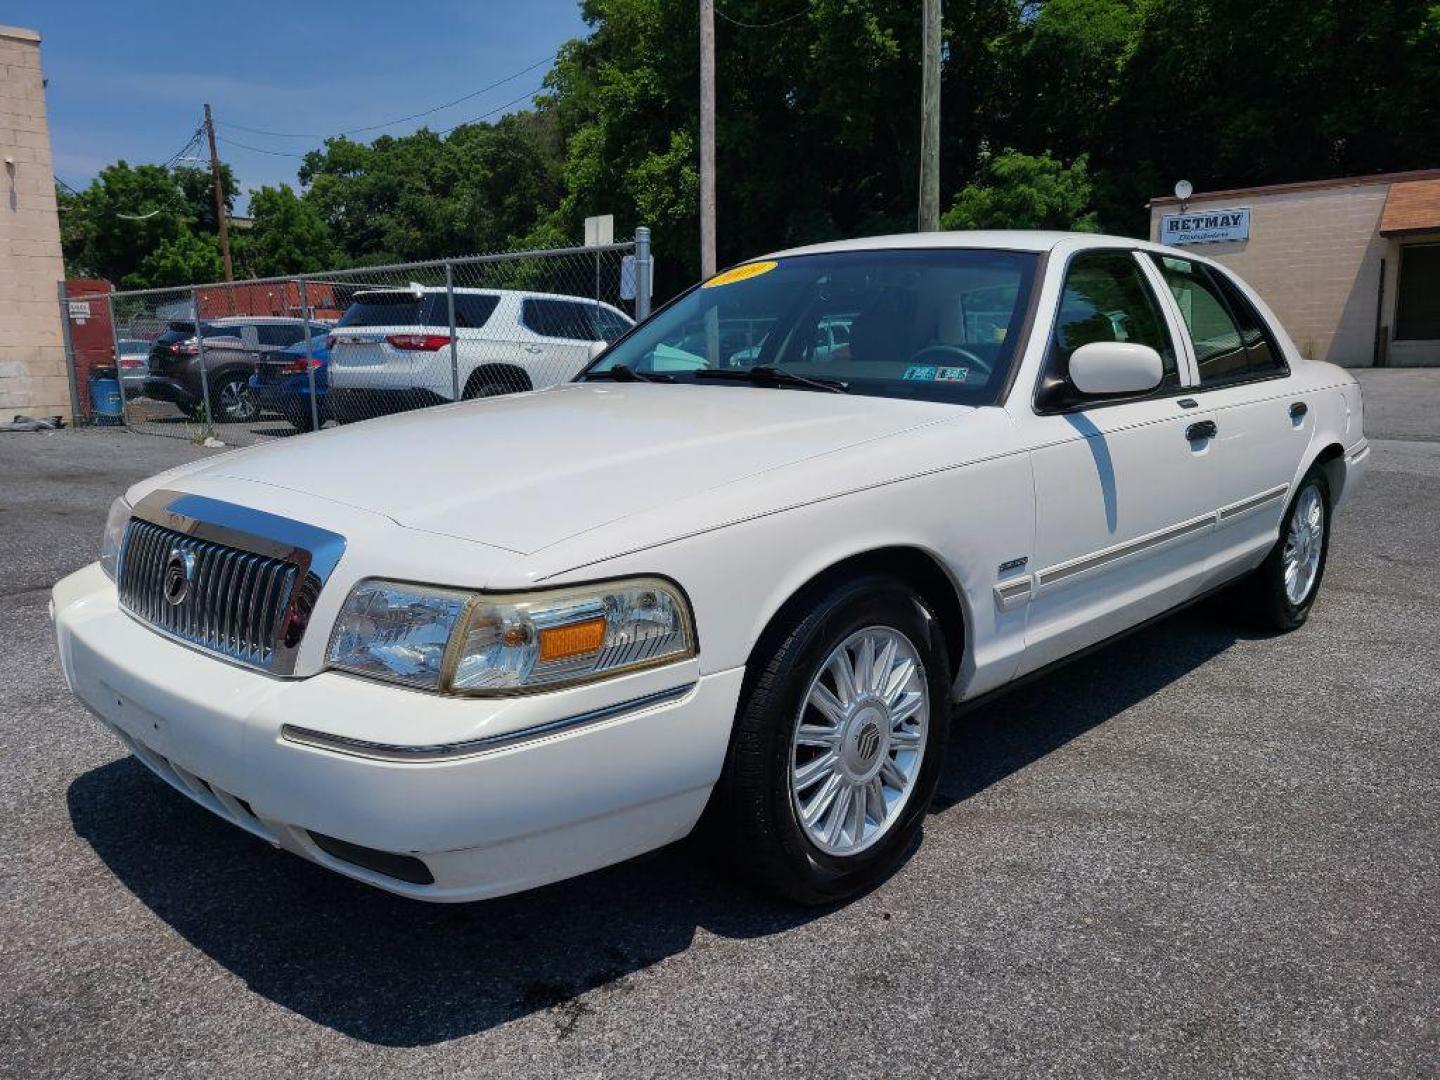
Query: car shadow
point(397, 972)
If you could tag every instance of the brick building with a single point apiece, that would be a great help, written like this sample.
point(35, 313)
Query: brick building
point(1351, 266)
point(32, 346)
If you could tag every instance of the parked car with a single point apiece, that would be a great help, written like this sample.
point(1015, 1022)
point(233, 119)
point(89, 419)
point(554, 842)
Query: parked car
point(132, 359)
point(282, 382)
point(463, 653)
point(232, 347)
point(391, 349)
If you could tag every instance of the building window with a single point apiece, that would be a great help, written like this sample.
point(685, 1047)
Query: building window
point(1417, 300)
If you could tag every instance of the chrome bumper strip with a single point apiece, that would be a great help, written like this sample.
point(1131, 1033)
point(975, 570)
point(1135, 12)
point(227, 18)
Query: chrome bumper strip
point(342, 744)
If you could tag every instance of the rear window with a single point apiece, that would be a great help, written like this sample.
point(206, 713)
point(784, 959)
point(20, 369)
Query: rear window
point(179, 331)
point(399, 308)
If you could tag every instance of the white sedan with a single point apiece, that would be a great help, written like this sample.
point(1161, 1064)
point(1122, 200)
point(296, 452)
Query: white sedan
point(468, 651)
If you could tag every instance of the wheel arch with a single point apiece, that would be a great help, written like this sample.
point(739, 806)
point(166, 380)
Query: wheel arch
point(1331, 458)
point(921, 570)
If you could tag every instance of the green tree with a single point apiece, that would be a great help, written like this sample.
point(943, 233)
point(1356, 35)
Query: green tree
point(183, 259)
point(288, 235)
point(1018, 191)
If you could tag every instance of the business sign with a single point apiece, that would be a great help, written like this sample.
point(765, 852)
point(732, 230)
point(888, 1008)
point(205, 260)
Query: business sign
point(1206, 227)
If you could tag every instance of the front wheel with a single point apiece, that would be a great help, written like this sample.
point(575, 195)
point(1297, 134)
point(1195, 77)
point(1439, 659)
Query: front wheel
point(838, 743)
point(1283, 589)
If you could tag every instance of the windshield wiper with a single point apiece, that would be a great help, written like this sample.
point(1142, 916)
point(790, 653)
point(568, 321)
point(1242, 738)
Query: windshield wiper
point(769, 375)
point(625, 373)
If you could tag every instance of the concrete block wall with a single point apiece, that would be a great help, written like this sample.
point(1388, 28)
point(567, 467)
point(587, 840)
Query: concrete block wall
point(33, 376)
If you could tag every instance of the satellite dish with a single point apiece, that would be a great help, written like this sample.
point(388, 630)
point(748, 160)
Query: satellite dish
point(1183, 190)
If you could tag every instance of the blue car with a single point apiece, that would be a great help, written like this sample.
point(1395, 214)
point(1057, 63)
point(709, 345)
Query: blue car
point(281, 382)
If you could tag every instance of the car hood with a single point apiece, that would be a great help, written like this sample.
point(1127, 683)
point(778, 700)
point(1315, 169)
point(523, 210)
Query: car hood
point(529, 470)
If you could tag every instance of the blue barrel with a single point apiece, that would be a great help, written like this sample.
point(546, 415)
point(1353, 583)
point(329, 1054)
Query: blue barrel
point(106, 402)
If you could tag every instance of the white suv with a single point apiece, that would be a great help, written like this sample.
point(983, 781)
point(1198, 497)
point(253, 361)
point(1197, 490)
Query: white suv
point(391, 350)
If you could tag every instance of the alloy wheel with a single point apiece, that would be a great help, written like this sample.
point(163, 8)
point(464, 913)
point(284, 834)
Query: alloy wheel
point(859, 740)
point(1303, 545)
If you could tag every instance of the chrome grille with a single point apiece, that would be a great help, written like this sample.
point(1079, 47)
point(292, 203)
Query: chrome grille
point(236, 601)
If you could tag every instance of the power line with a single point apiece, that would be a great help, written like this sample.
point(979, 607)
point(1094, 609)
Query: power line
point(257, 149)
point(194, 138)
point(763, 26)
point(442, 131)
point(492, 112)
point(402, 119)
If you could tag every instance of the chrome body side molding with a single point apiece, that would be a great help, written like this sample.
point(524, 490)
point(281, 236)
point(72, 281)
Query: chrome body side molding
point(342, 744)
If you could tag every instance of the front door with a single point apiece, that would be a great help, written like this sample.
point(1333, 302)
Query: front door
point(1124, 490)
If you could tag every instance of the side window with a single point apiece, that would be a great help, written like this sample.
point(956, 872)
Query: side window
point(557, 319)
point(1106, 298)
point(473, 310)
point(1220, 352)
point(1263, 355)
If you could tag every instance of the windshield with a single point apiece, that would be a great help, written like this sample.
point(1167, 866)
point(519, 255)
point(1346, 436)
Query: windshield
point(939, 324)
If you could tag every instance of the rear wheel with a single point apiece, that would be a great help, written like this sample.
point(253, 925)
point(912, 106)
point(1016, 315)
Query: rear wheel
point(1283, 589)
point(232, 401)
point(838, 743)
point(495, 381)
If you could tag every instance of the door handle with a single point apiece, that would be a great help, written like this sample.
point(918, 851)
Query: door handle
point(533, 348)
point(1298, 410)
point(1201, 429)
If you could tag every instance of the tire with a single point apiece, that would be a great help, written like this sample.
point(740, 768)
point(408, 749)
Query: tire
point(495, 382)
point(232, 402)
point(760, 796)
point(489, 389)
point(1282, 590)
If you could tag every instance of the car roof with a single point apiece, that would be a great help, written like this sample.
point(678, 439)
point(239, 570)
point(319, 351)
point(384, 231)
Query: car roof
point(1036, 240)
point(247, 320)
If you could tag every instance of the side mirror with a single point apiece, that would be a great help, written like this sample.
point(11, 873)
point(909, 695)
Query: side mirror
point(1115, 367)
point(596, 348)
point(250, 338)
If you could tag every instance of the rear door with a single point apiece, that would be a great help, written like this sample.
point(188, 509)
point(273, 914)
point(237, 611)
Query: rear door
point(558, 333)
point(1124, 488)
point(1263, 425)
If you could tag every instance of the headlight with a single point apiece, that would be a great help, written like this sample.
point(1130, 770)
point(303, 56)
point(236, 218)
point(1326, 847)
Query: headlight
point(114, 536)
point(468, 643)
point(396, 632)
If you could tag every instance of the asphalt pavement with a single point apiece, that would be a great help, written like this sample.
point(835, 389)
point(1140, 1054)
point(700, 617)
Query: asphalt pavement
point(1199, 852)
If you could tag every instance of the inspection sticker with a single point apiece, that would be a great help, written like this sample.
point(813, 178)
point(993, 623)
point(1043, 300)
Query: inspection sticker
point(952, 374)
point(741, 273)
point(919, 373)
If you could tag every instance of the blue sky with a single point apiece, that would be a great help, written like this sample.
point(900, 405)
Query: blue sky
point(129, 79)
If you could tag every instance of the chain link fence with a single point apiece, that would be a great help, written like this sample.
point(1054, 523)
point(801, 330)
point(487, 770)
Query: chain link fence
point(249, 360)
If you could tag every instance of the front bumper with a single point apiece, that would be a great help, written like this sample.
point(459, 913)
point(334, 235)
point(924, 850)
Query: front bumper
point(518, 813)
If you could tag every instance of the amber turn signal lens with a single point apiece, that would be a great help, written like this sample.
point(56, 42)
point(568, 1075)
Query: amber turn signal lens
point(576, 639)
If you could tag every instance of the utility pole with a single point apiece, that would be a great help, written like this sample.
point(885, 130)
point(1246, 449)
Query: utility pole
point(707, 138)
point(220, 214)
point(930, 117)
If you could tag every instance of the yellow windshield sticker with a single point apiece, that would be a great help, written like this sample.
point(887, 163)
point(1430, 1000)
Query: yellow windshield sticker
point(741, 273)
